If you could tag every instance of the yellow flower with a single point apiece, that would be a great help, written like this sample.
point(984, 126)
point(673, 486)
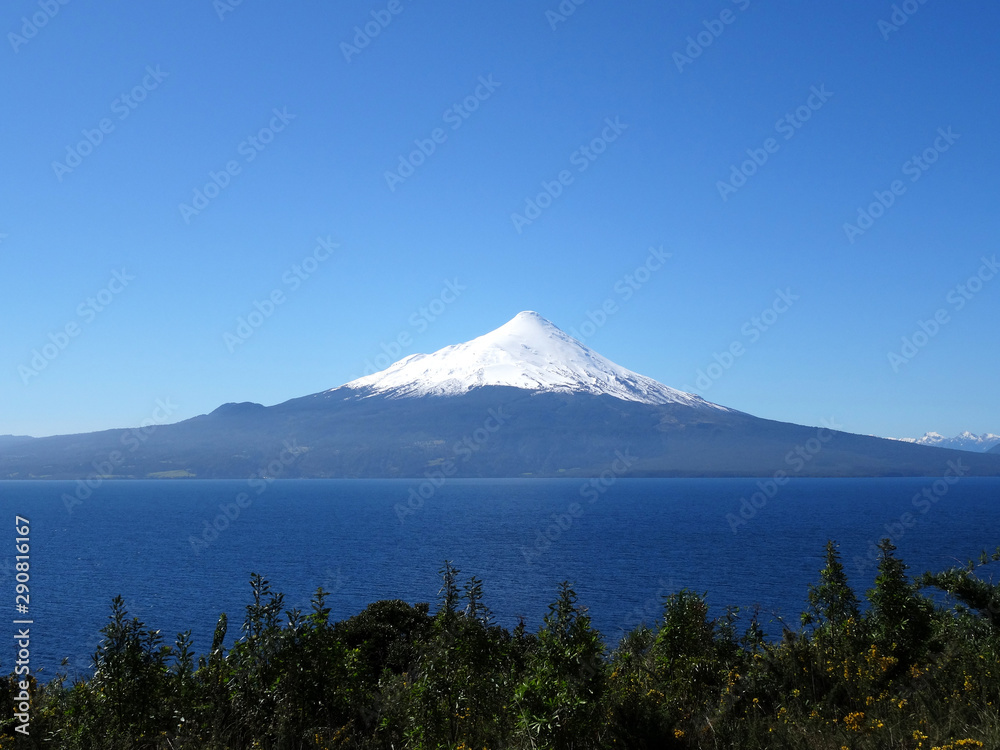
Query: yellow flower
point(678, 733)
point(855, 722)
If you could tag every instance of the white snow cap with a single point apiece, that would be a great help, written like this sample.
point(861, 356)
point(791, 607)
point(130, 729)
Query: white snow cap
point(527, 352)
point(965, 440)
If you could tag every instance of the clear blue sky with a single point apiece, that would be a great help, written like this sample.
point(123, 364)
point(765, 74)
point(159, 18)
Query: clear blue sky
point(198, 87)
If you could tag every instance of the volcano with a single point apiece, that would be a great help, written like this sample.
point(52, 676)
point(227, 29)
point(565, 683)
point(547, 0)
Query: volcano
point(525, 400)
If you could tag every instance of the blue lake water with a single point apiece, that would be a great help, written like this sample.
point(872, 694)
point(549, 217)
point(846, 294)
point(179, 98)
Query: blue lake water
point(623, 548)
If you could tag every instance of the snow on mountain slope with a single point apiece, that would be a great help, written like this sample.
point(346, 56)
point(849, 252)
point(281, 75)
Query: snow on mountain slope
point(966, 441)
point(526, 352)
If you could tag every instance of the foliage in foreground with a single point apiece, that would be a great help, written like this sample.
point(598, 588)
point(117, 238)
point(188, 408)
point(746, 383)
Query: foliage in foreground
point(903, 672)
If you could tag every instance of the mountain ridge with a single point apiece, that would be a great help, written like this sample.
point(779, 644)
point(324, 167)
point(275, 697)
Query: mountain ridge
point(965, 441)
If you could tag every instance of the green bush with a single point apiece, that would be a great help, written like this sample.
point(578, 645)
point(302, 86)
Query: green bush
point(905, 671)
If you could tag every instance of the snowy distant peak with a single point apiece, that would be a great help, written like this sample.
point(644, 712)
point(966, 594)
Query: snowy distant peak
point(965, 441)
point(526, 352)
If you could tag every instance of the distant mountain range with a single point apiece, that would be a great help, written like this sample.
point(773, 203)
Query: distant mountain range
point(965, 441)
point(526, 400)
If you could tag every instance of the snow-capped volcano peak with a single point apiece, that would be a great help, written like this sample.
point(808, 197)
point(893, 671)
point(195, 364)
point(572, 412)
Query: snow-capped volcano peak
point(527, 352)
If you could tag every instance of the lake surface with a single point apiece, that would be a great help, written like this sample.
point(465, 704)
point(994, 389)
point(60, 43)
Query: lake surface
point(624, 546)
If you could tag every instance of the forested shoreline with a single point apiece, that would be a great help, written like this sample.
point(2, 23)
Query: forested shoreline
point(901, 666)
